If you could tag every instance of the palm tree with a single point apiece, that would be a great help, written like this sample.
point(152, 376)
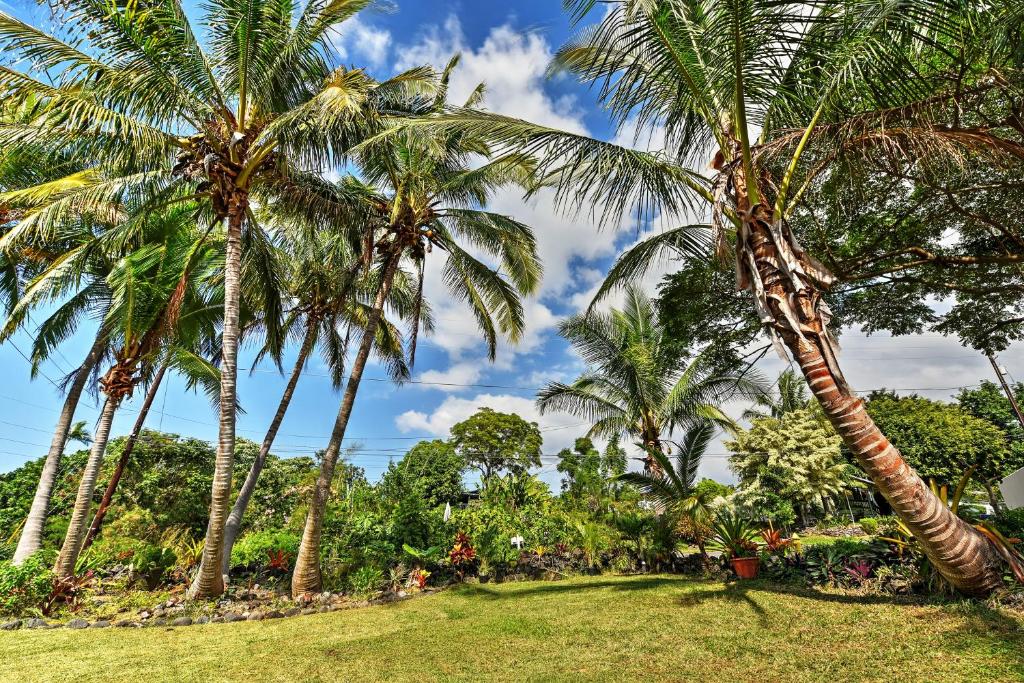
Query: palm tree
point(161, 283)
point(821, 81)
point(324, 293)
point(429, 192)
point(790, 395)
point(672, 485)
point(27, 166)
point(634, 387)
point(250, 112)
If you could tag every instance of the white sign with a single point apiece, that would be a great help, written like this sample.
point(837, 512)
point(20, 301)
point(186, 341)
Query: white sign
point(1013, 489)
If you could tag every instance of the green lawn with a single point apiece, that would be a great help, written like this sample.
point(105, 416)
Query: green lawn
point(602, 628)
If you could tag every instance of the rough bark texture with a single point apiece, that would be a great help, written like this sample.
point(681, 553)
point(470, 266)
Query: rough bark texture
point(208, 581)
point(962, 555)
point(68, 557)
point(122, 462)
point(32, 534)
point(234, 523)
point(306, 575)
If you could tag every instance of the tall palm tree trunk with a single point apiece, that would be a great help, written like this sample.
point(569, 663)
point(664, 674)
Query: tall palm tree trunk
point(961, 554)
point(32, 534)
point(306, 575)
point(68, 557)
point(234, 523)
point(126, 454)
point(208, 581)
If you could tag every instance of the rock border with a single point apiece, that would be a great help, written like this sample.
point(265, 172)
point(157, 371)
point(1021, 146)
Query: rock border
point(163, 616)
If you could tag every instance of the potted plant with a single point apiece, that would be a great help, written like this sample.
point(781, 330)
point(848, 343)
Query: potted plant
point(736, 538)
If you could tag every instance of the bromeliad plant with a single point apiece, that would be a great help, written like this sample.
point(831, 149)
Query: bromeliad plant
point(734, 535)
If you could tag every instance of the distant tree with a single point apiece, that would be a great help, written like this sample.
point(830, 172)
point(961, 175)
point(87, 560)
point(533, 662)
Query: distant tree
point(790, 394)
point(613, 463)
point(709, 489)
point(492, 442)
point(431, 469)
point(944, 442)
point(633, 384)
point(795, 458)
point(581, 466)
point(988, 402)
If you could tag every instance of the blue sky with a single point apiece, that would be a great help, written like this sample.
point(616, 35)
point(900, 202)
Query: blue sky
point(507, 45)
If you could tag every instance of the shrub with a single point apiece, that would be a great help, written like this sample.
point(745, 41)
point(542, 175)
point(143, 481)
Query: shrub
point(1011, 523)
point(869, 525)
point(256, 547)
point(25, 587)
point(366, 581)
point(151, 563)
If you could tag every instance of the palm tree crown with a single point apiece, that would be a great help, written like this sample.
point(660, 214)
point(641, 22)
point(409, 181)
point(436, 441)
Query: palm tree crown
point(633, 386)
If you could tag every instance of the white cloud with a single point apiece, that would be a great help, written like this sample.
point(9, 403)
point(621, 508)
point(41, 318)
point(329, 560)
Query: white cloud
point(511, 63)
point(358, 38)
point(559, 430)
point(459, 373)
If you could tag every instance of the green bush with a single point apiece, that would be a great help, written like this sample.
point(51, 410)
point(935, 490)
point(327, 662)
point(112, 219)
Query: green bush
point(254, 548)
point(26, 586)
point(366, 581)
point(151, 563)
point(1011, 523)
point(869, 525)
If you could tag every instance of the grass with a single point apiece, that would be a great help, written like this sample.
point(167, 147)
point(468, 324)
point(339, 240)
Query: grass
point(599, 628)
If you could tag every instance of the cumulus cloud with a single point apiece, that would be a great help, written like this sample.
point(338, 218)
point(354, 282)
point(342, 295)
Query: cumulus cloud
point(457, 374)
point(357, 38)
point(559, 430)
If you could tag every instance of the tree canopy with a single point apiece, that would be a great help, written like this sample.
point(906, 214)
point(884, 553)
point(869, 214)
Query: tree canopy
point(940, 440)
point(492, 442)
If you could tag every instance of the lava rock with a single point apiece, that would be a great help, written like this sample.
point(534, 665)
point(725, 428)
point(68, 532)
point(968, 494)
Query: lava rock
point(182, 621)
point(202, 620)
point(217, 620)
point(102, 623)
point(273, 614)
point(309, 610)
point(293, 612)
point(145, 615)
point(124, 623)
point(36, 623)
point(11, 625)
point(78, 623)
point(234, 616)
point(255, 616)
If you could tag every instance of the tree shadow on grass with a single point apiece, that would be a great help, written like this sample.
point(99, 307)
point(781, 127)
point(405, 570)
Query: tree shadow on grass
point(509, 591)
point(982, 619)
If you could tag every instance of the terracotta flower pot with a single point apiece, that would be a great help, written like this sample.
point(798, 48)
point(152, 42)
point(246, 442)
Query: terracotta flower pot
point(746, 567)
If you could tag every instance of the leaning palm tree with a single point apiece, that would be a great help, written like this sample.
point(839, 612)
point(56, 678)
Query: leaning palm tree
point(150, 291)
point(327, 301)
point(30, 166)
point(248, 113)
point(672, 485)
point(634, 386)
point(777, 95)
point(428, 199)
point(790, 394)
